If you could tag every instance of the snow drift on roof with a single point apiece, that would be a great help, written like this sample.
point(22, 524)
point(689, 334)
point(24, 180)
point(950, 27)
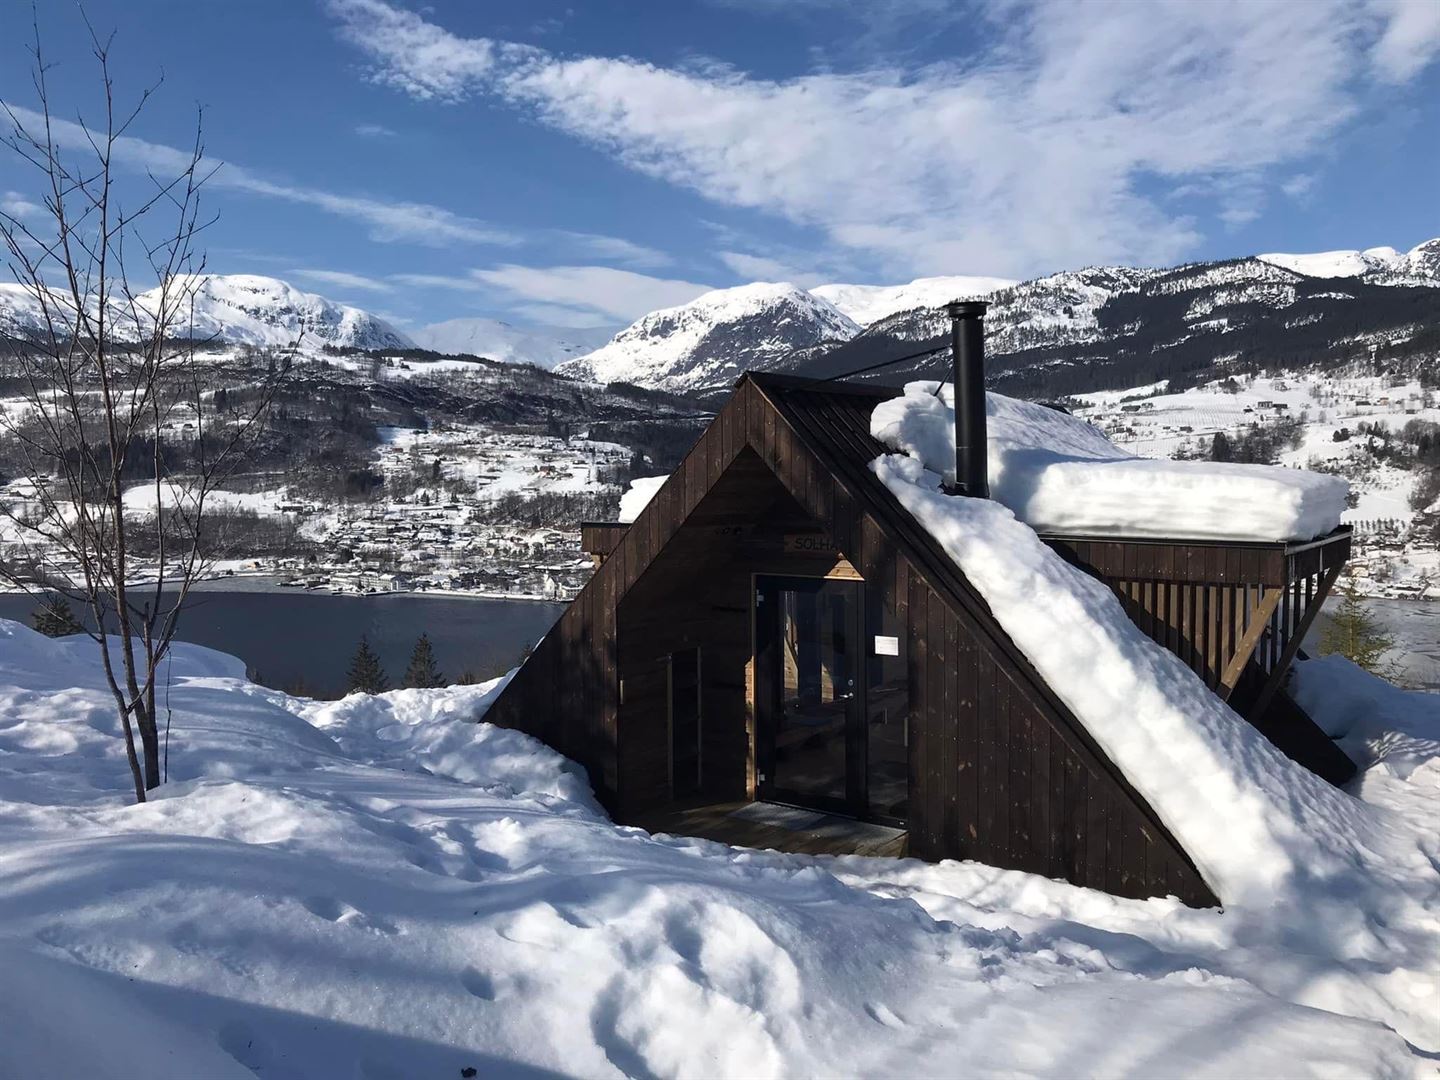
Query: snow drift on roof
point(1060, 474)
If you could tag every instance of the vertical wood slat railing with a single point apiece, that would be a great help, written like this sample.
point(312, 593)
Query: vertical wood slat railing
point(1220, 608)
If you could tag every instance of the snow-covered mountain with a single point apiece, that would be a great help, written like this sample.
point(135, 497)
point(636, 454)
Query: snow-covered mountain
point(543, 346)
point(1383, 264)
point(244, 309)
point(19, 312)
point(1105, 327)
point(711, 340)
point(247, 309)
point(866, 304)
point(1109, 322)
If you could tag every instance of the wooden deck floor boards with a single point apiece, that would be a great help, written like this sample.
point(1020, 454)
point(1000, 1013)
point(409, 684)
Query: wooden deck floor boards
point(823, 835)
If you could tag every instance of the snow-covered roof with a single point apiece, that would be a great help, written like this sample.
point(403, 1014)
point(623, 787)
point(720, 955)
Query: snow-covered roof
point(1058, 473)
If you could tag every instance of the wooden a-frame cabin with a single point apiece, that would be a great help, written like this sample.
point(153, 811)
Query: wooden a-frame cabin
point(775, 635)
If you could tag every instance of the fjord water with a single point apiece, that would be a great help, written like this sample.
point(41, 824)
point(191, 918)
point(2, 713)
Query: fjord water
point(293, 639)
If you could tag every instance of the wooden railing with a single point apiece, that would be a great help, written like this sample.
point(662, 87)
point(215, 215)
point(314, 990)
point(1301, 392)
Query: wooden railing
point(1220, 607)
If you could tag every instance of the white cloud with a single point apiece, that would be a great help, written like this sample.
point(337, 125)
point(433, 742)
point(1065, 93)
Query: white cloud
point(439, 281)
point(613, 248)
point(1298, 186)
point(414, 222)
point(1055, 149)
point(616, 294)
point(436, 65)
point(1411, 38)
point(343, 279)
point(764, 268)
point(18, 206)
point(375, 131)
point(566, 295)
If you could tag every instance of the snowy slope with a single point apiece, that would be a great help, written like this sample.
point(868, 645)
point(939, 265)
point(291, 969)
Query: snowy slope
point(708, 342)
point(543, 346)
point(20, 313)
point(243, 309)
point(1059, 473)
point(865, 304)
point(376, 888)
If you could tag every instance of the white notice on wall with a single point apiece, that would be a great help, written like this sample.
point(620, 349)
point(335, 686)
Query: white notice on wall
point(887, 646)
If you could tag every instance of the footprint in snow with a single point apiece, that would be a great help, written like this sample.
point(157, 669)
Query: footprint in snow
point(478, 983)
point(342, 914)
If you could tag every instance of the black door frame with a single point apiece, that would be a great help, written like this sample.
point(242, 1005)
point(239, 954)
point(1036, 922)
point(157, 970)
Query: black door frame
point(768, 689)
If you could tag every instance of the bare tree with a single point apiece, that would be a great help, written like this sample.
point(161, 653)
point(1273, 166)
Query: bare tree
point(114, 389)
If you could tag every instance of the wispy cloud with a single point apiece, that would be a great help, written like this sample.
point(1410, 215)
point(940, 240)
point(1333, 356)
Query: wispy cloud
point(375, 131)
point(1410, 39)
point(1055, 148)
point(438, 65)
point(764, 268)
point(587, 295)
point(18, 206)
point(1299, 186)
point(612, 248)
point(343, 279)
point(386, 220)
point(618, 294)
point(455, 283)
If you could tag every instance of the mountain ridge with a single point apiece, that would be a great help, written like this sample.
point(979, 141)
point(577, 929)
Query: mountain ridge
point(240, 309)
point(711, 340)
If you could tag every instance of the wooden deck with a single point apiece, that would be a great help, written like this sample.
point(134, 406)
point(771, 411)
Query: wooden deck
point(775, 828)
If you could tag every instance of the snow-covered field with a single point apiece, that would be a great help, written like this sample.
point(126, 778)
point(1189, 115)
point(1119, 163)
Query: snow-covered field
point(377, 888)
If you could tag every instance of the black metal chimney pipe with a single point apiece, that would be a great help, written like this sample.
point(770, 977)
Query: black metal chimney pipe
point(967, 348)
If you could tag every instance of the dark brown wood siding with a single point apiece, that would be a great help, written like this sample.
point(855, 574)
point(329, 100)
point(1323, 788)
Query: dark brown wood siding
point(600, 537)
point(1000, 770)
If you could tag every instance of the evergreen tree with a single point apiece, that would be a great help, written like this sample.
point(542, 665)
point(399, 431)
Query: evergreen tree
point(53, 617)
point(366, 674)
point(1220, 448)
point(422, 671)
point(1354, 633)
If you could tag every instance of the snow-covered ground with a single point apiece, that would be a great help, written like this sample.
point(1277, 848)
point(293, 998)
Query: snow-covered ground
point(377, 888)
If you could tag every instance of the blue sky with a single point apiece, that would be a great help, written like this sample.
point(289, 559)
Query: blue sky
point(582, 163)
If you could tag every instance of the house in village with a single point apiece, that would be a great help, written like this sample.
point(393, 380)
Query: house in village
point(776, 653)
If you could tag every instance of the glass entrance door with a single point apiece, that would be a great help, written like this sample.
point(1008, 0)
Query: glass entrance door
point(809, 693)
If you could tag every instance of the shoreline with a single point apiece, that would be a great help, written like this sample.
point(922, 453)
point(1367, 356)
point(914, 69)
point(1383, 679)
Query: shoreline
point(270, 583)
